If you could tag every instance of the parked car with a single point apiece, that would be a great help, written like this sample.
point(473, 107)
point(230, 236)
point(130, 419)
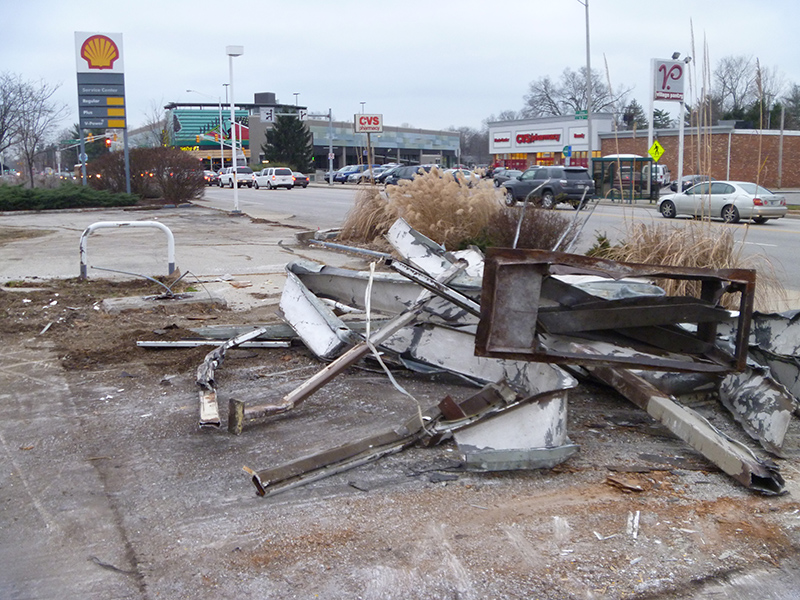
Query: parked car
point(386, 174)
point(408, 172)
point(464, 176)
point(366, 175)
point(342, 174)
point(688, 181)
point(244, 176)
point(211, 177)
point(274, 177)
point(501, 176)
point(726, 200)
point(558, 184)
point(300, 179)
point(662, 175)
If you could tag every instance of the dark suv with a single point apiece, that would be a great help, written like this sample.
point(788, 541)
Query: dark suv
point(558, 184)
point(407, 172)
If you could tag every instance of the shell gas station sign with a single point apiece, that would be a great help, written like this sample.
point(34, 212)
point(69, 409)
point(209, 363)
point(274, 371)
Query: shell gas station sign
point(101, 80)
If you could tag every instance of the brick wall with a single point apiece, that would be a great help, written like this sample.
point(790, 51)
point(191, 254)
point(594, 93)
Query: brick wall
point(753, 157)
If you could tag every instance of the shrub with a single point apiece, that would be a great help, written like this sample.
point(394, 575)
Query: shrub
point(68, 195)
point(155, 172)
point(451, 213)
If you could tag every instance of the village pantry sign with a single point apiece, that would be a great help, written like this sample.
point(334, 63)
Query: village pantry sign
point(101, 80)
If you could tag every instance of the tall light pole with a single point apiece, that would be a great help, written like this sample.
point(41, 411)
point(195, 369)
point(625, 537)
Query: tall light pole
point(588, 91)
point(296, 94)
point(232, 51)
point(221, 146)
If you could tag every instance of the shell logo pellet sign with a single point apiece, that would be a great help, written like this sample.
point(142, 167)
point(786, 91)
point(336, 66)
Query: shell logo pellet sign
point(101, 80)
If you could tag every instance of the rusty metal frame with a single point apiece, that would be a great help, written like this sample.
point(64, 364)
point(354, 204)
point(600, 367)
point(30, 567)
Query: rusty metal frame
point(519, 288)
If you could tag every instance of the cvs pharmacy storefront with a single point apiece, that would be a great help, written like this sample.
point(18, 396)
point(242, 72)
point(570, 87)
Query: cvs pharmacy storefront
point(557, 140)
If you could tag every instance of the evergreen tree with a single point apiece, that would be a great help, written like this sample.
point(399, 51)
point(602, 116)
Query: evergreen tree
point(633, 116)
point(289, 143)
point(662, 119)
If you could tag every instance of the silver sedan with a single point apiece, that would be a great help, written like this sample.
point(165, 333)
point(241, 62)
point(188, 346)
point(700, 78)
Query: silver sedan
point(726, 200)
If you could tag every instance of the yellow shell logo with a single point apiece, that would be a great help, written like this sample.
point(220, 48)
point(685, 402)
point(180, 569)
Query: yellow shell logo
point(100, 52)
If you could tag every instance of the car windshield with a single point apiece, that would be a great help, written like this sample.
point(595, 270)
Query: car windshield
point(244, 170)
point(576, 175)
point(756, 190)
point(282, 172)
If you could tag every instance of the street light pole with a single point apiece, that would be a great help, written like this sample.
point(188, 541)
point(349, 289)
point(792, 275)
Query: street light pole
point(588, 91)
point(232, 51)
point(221, 145)
point(296, 94)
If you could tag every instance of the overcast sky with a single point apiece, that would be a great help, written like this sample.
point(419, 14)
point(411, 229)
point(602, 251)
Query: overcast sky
point(425, 63)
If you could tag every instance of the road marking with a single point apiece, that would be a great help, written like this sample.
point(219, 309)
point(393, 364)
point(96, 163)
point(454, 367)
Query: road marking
point(758, 244)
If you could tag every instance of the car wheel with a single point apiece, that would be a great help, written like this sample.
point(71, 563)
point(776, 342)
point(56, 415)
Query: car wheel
point(255, 185)
point(269, 185)
point(667, 209)
point(219, 183)
point(730, 214)
point(759, 220)
point(305, 186)
point(548, 200)
point(496, 183)
point(510, 201)
point(231, 182)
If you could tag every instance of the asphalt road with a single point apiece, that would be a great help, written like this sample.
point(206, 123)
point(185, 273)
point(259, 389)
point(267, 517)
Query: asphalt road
point(323, 207)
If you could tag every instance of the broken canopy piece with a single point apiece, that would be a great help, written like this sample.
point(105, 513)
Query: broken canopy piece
point(760, 405)
point(491, 403)
point(532, 435)
point(521, 299)
point(731, 456)
point(209, 410)
point(325, 334)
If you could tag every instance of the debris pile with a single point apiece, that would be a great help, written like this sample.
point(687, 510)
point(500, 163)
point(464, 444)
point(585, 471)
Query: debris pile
point(523, 326)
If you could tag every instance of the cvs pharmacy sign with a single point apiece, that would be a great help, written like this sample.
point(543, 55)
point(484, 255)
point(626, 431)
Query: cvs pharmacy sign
point(368, 123)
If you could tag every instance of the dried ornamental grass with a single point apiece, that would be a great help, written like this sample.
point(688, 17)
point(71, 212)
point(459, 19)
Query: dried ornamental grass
point(454, 215)
point(698, 244)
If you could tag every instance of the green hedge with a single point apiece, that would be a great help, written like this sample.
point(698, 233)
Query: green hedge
point(69, 195)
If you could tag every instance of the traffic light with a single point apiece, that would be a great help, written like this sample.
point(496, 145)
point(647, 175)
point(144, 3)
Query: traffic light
point(108, 142)
point(90, 138)
point(197, 138)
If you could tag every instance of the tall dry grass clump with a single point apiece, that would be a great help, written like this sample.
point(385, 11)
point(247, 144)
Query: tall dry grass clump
point(450, 212)
point(698, 244)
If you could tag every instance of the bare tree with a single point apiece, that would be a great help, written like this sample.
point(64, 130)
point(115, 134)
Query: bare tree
point(154, 132)
point(549, 98)
point(506, 115)
point(734, 83)
point(37, 121)
point(769, 86)
point(10, 109)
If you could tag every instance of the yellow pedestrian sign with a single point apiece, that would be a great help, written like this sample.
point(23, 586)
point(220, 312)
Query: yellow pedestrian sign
point(656, 151)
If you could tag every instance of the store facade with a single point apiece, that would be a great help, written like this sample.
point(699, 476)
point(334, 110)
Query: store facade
point(544, 141)
point(197, 128)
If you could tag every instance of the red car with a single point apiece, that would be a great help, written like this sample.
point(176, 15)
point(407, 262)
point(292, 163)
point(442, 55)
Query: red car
point(300, 179)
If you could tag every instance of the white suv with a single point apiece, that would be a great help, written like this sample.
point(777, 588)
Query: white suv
point(244, 176)
point(274, 177)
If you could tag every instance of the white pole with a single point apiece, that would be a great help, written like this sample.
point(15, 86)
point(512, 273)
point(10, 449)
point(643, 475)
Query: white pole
point(679, 189)
point(221, 146)
point(651, 93)
point(588, 95)
point(330, 146)
point(235, 161)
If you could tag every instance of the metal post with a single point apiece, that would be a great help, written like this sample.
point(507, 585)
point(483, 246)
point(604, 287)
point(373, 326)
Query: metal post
point(330, 146)
point(588, 94)
point(681, 116)
point(127, 160)
point(232, 51)
point(221, 144)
